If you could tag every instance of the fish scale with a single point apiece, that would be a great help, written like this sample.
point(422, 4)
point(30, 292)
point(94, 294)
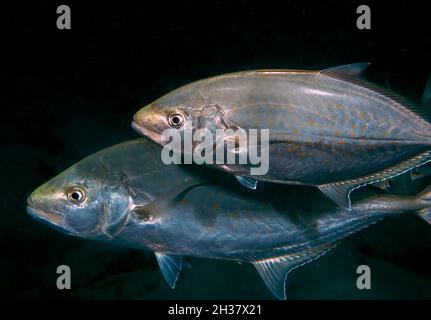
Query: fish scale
point(134, 200)
point(330, 127)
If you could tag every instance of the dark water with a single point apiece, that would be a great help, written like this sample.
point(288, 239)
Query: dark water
point(66, 94)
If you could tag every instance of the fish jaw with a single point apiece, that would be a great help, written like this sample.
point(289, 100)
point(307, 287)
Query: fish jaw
point(36, 211)
point(45, 217)
point(39, 209)
point(146, 132)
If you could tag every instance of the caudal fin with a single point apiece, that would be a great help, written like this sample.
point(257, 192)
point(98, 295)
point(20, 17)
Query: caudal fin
point(425, 214)
point(425, 196)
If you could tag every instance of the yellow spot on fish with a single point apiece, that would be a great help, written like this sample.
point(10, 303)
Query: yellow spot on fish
point(353, 126)
point(337, 133)
point(308, 143)
point(292, 148)
point(338, 106)
point(234, 215)
point(341, 142)
point(385, 134)
point(295, 130)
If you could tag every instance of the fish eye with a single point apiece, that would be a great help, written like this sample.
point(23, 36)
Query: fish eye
point(76, 195)
point(176, 120)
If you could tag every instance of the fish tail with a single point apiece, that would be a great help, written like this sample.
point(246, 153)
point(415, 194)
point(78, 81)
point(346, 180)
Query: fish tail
point(425, 197)
point(425, 214)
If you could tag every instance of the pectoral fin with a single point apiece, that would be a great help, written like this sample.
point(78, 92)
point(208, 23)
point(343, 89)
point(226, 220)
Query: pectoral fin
point(247, 182)
point(274, 271)
point(170, 267)
point(147, 211)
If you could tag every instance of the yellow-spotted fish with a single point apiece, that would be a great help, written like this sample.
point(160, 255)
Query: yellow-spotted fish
point(327, 128)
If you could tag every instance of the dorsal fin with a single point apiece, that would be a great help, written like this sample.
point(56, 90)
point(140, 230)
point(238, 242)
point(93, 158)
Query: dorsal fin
point(346, 71)
point(170, 267)
point(274, 271)
point(351, 72)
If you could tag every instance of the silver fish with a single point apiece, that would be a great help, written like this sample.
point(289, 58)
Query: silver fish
point(174, 212)
point(326, 128)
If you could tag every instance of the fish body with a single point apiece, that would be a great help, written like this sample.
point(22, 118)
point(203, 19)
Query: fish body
point(326, 128)
point(174, 212)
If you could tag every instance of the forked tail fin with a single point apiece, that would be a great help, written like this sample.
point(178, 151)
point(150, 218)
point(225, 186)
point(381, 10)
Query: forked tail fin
point(425, 214)
point(425, 197)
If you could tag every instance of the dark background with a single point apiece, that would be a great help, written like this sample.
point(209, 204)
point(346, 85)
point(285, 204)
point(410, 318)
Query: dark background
point(65, 94)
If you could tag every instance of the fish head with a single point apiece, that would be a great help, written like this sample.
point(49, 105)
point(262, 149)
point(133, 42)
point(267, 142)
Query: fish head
point(184, 110)
point(154, 120)
point(83, 201)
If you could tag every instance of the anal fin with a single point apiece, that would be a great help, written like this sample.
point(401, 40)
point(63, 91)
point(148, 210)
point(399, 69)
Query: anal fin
point(274, 271)
point(340, 191)
point(170, 267)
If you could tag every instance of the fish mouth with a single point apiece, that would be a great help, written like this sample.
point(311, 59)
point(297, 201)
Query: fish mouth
point(145, 132)
point(43, 216)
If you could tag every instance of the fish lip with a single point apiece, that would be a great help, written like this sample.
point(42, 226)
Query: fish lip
point(35, 213)
point(38, 214)
point(145, 132)
point(42, 217)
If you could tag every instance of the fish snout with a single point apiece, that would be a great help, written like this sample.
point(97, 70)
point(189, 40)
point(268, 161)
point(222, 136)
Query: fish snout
point(33, 201)
point(147, 123)
point(39, 208)
point(143, 116)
